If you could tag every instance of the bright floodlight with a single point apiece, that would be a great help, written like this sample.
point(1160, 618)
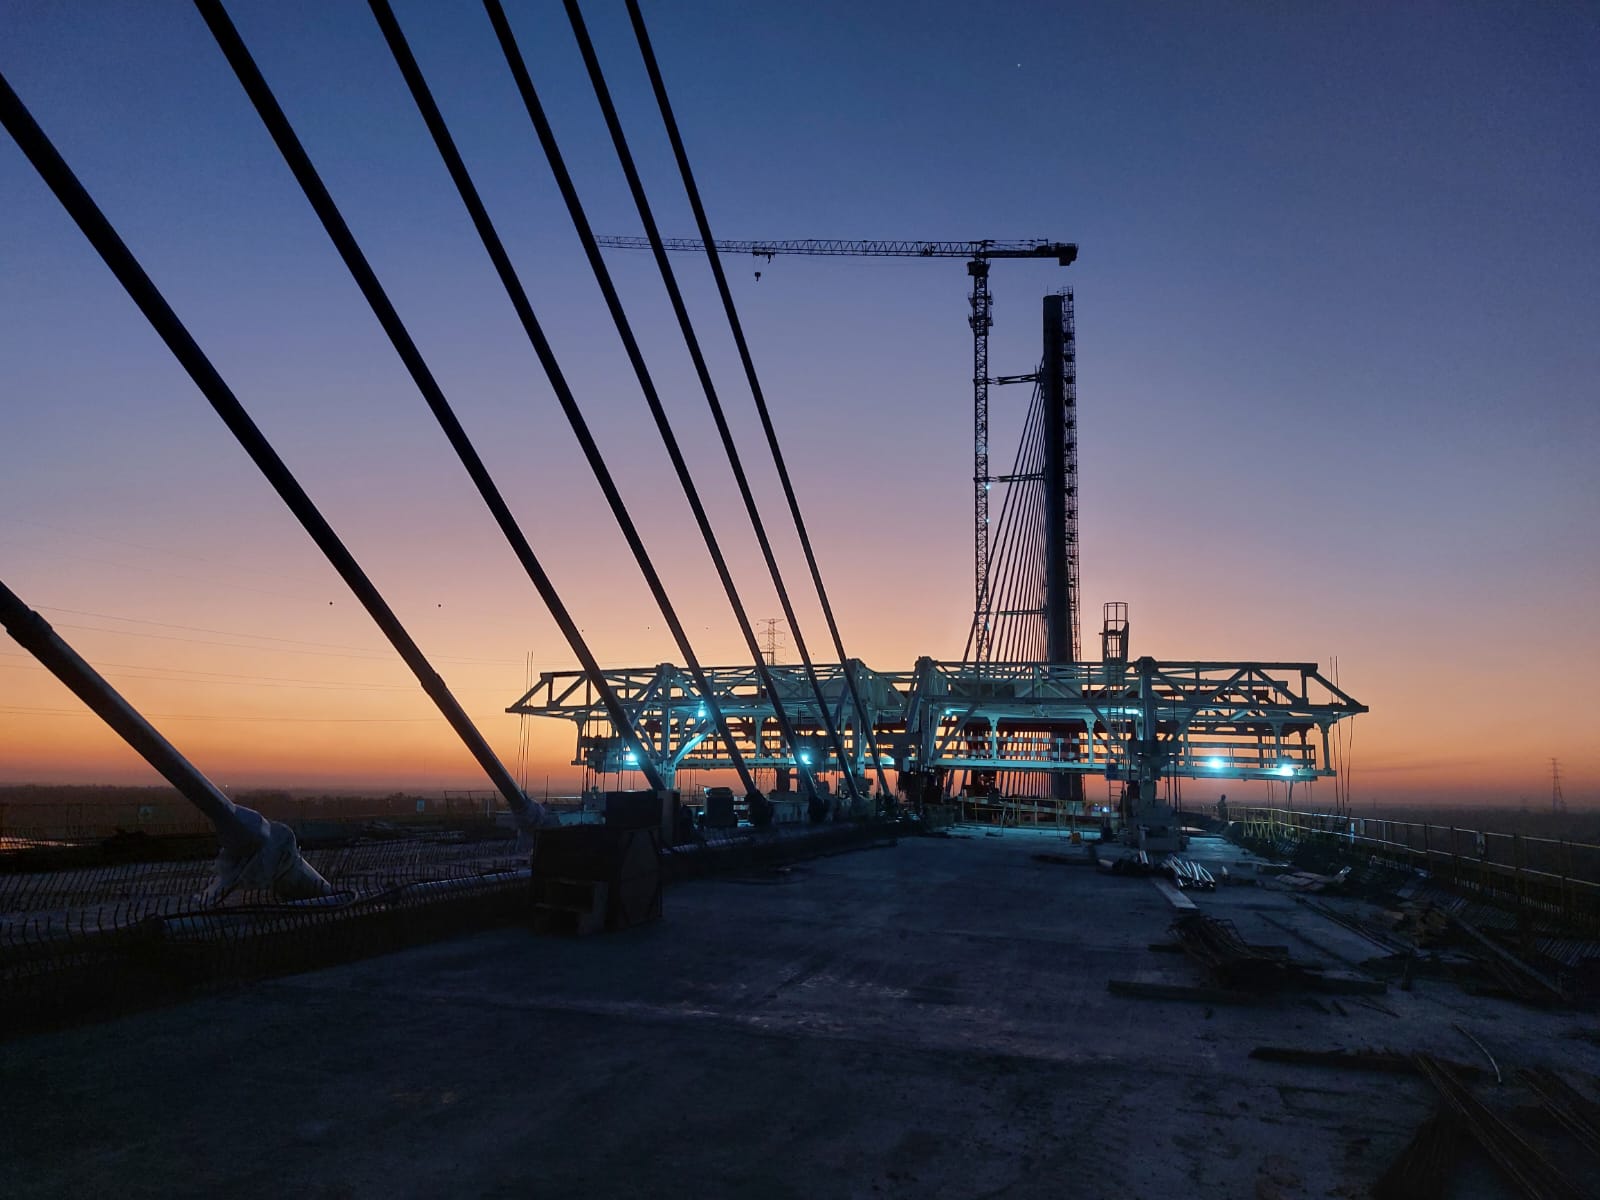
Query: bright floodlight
point(1216, 764)
point(805, 757)
point(1286, 769)
point(631, 756)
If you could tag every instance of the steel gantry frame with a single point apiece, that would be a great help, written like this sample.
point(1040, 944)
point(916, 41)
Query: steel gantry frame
point(670, 714)
point(978, 255)
point(1145, 720)
point(1141, 720)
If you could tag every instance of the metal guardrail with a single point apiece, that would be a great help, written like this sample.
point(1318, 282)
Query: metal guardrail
point(1530, 875)
point(82, 927)
point(1033, 812)
point(94, 927)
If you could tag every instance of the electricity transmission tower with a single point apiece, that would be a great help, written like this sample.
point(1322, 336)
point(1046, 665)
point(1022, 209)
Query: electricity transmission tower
point(771, 639)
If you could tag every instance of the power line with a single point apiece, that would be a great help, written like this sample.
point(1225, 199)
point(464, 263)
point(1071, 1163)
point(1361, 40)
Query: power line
point(231, 568)
point(23, 710)
point(163, 572)
point(122, 670)
point(185, 675)
point(224, 580)
point(265, 637)
point(169, 637)
point(354, 655)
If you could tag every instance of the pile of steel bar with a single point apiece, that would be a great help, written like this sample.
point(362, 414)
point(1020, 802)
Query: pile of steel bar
point(1524, 1166)
point(1132, 862)
point(1184, 872)
point(1216, 945)
point(1366, 929)
point(1523, 981)
point(1575, 1112)
point(1422, 1170)
point(1187, 873)
point(1388, 1061)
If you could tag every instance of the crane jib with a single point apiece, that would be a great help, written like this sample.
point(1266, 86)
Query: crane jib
point(1065, 253)
point(978, 255)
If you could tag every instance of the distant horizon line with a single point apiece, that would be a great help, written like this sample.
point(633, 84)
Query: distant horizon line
point(1578, 805)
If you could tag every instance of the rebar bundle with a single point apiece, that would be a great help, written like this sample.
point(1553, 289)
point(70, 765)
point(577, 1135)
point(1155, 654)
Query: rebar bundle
point(1217, 946)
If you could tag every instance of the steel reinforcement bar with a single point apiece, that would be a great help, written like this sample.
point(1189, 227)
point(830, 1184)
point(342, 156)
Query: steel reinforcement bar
point(1553, 876)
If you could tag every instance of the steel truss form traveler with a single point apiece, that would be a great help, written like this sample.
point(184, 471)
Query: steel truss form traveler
point(1142, 720)
point(670, 714)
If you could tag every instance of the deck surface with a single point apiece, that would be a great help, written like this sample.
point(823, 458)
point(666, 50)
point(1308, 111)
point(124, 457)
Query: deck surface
point(930, 1019)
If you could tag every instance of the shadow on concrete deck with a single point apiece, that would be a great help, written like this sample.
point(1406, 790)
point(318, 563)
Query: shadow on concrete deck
point(930, 1019)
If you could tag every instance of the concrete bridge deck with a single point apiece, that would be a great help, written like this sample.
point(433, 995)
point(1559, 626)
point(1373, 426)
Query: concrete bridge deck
point(930, 1019)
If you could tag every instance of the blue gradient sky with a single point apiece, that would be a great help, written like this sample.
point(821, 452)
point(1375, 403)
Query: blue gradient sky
point(1337, 304)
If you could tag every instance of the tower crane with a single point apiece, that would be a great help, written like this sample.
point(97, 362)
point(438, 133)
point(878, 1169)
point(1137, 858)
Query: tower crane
point(978, 255)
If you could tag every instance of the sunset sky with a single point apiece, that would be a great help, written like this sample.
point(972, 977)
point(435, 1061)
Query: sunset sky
point(1338, 301)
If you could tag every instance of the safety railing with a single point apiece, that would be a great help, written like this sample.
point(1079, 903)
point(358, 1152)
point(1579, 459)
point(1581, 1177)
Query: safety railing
point(1554, 877)
point(80, 927)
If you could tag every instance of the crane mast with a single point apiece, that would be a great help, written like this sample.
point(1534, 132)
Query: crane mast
point(978, 255)
point(981, 320)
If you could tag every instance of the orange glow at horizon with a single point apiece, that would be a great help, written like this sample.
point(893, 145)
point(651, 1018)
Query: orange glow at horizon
point(325, 705)
point(1335, 392)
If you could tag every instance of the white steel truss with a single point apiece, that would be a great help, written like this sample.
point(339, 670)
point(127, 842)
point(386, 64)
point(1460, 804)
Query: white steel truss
point(1142, 720)
point(670, 717)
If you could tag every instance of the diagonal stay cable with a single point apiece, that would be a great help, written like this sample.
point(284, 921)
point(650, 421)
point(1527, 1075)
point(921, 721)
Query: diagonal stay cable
point(1030, 552)
point(1031, 597)
point(1007, 536)
point(1013, 591)
point(266, 105)
point(691, 340)
point(1021, 575)
point(1001, 598)
point(1005, 527)
point(53, 169)
point(704, 226)
point(1004, 534)
point(446, 145)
